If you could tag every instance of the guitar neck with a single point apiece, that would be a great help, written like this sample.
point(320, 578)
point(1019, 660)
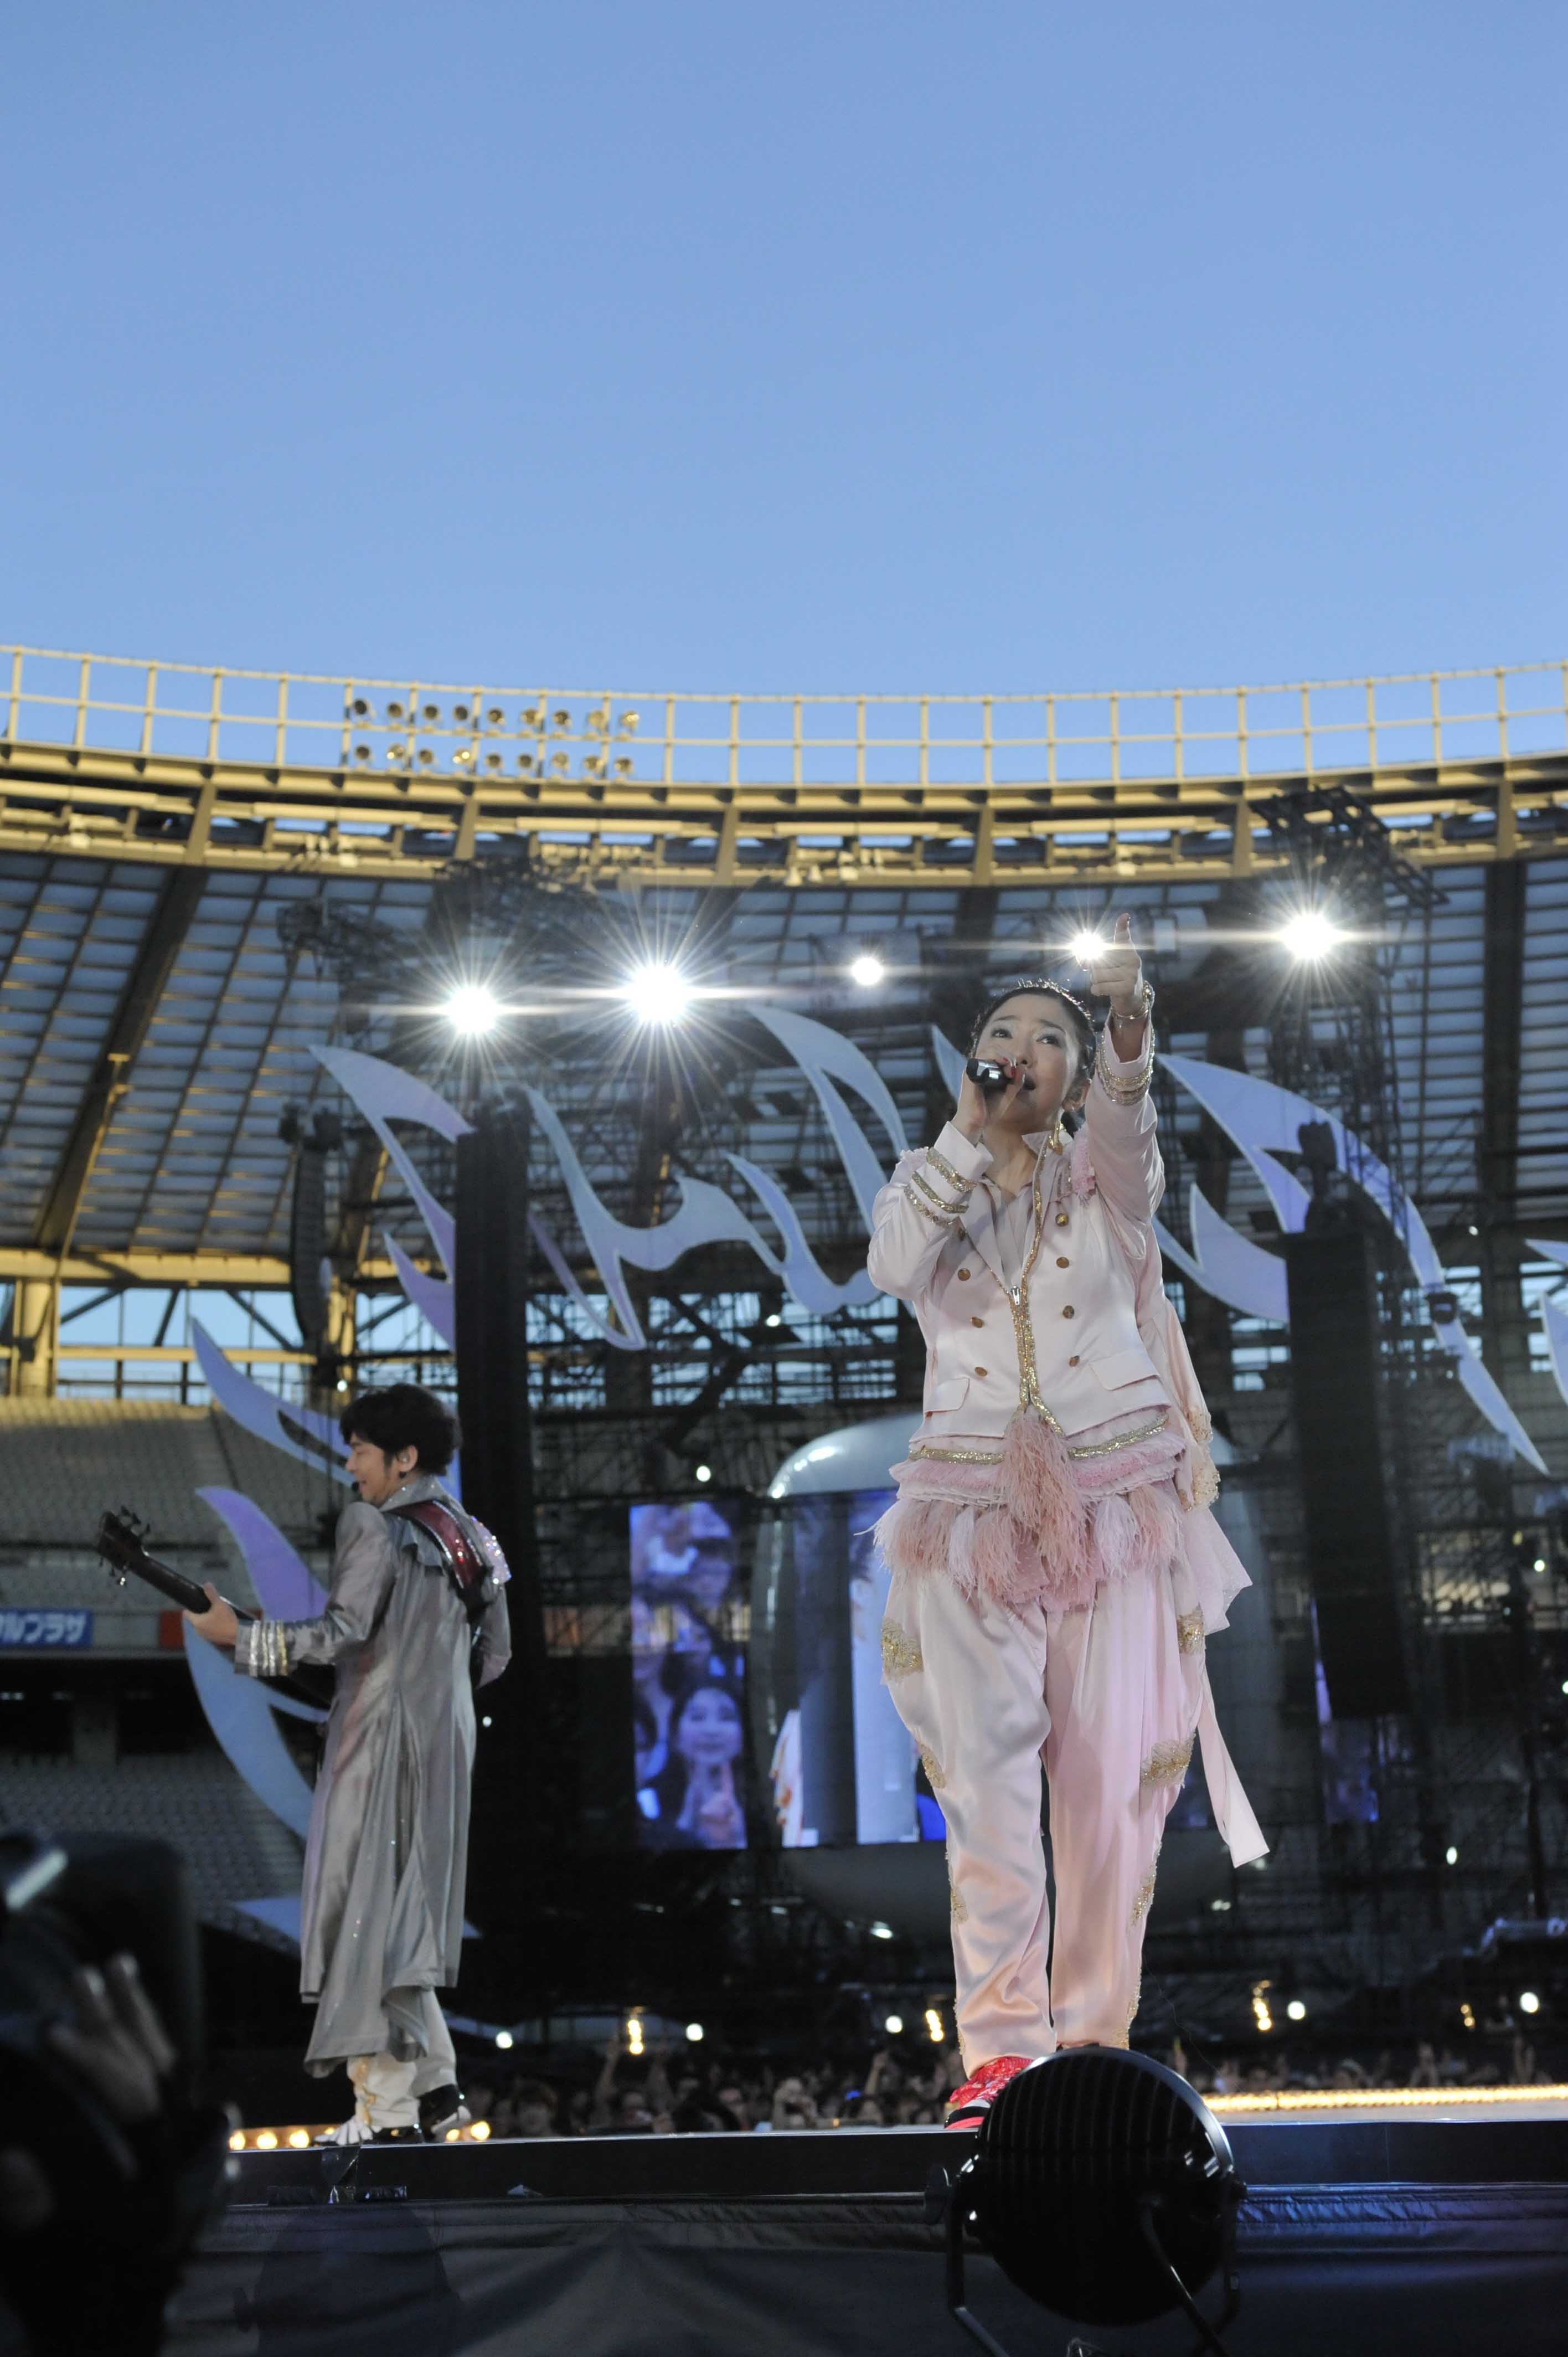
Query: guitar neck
point(172, 1584)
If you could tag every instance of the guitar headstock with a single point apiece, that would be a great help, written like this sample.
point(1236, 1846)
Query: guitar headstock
point(121, 1542)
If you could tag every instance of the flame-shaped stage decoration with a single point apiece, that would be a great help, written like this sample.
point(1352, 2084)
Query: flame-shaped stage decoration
point(262, 1413)
point(1263, 1121)
point(1554, 1313)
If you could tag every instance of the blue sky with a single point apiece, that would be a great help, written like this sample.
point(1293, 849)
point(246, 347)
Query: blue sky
point(831, 346)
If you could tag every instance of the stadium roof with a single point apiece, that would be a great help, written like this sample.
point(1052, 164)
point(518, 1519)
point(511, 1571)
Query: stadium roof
point(155, 1024)
point(191, 1162)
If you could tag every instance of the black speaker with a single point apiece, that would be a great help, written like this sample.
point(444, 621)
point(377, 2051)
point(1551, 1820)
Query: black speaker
point(490, 1282)
point(1347, 1507)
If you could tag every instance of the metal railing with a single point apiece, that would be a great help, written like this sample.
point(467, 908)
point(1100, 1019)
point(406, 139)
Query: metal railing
point(280, 722)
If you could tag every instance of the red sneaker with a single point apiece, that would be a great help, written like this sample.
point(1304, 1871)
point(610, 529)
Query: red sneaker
point(968, 2104)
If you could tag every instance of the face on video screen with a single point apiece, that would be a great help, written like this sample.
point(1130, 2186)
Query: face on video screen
point(688, 1668)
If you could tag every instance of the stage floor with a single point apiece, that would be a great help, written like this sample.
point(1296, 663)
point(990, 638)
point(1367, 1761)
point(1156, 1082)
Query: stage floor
point(1378, 2235)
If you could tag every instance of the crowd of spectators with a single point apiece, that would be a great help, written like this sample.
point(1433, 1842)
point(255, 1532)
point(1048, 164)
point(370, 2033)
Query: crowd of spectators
point(664, 2096)
point(1513, 2063)
point(658, 2094)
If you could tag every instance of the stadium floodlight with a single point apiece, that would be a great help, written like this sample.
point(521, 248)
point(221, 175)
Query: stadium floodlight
point(867, 971)
point(658, 994)
point(473, 1010)
point(1310, 934)
point(1086, 947)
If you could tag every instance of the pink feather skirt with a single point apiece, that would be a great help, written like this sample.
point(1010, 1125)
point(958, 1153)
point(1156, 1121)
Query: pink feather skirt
point(1034, 1518)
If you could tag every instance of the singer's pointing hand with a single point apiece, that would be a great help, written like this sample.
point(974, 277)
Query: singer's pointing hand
point(1117, 973)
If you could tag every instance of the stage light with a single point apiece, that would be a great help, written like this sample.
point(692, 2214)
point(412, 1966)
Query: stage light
point(504, 2040)
point(704, 1472)
point(1467, 2017)
point(299, 2139)
point(894, 2025)
point(1104, 2189)
point(1310, 934)
point(1086, 948)
point(1540, 1563)
point(881, 1930)
point(487, 1722)
point(481, 2131)
point(1220, 1907)
point(773, 1318)
point(934, 2029)
point(694, 2032)
point(1451, 1854)
point(1529, 2002)
point(472, 1009)
point(237, 2141)
point(867, 971)
point(1297, 2010)
point(658, 994)
point(454, 2136)
point(633, 2035)
point(266, 2141)
point(1565, 1686)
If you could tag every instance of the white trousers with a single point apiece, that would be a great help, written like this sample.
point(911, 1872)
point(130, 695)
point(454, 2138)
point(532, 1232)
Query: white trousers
point(387, 2092)
point(1108, 1698)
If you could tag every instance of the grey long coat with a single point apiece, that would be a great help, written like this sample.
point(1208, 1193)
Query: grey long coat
point(386, 1858)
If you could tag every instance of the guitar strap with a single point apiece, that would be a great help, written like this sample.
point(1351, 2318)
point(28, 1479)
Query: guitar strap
point(470, 1574)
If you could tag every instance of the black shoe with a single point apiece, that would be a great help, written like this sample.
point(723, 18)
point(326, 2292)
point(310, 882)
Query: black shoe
point(442, 2108)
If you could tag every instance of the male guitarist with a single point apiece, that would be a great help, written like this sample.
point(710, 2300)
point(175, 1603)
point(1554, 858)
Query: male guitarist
point(418, 1590)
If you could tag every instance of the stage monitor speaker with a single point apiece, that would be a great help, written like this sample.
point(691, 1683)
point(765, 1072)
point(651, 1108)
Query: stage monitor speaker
point(490, 1285)
point(1342, 1440)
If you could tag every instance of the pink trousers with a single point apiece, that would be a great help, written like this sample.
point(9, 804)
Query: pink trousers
point(1109, 1696)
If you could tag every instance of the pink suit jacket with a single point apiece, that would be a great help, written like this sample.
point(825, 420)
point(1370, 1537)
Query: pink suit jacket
point(1091, 1361)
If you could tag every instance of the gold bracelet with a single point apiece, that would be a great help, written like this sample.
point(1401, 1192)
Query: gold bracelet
point(1124, 1088)
point(1143, 1010)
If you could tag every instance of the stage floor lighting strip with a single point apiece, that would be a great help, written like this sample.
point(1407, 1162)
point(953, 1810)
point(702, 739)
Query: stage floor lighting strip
point(1377, 2099)
point(1323, 2101)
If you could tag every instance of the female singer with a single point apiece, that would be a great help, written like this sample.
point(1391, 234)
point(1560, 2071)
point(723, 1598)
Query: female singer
point(1056, 1566)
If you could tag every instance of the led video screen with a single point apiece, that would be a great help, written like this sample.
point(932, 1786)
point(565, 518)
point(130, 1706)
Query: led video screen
point(689, 1616)
point(844, 1768)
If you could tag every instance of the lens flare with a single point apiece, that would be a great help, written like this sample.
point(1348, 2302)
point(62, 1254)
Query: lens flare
point(473, 1010)
point(658, 994)
point(1310, 934)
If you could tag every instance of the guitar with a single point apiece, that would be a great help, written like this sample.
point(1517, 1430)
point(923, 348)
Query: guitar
point(120, 1543)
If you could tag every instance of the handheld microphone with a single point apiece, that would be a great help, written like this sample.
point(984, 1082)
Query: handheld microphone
point(988, 1076)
